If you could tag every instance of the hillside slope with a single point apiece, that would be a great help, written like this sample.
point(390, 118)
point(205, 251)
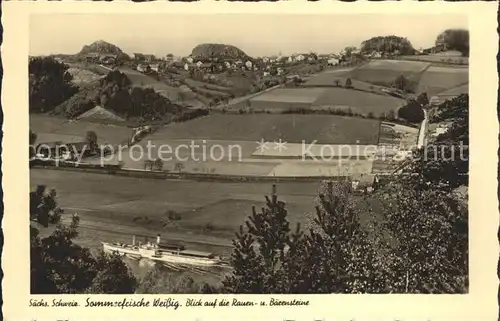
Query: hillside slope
point(221, 51)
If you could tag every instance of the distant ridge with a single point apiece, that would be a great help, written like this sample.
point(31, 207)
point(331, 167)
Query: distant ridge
point(101, 47)
point(221, 51)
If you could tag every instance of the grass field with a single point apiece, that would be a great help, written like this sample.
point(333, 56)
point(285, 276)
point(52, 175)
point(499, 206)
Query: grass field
point(359, 101)
point(384, 72)
point(110, 207)
point(436, 80)
point(117, 201)
point(439, 59)
point(325, 129)
point(291, 95)
point(64, 129)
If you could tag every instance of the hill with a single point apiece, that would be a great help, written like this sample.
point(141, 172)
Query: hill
point(101, 47)
point(221, 51)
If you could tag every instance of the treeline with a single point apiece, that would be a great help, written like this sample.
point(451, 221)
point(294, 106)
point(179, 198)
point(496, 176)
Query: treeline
point(388, 45)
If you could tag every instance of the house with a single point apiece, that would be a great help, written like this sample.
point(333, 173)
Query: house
point(155, 67)
point(248, 64)
point(280, 71)
point(312, 57)
point(266, 73)
point(138, 57)
point(149, 58)
point(227, 64)
point(186, 67)
point(333, 61)
point(290, 59)
point(92, 57)
point(207, 67)
point(299, 57)
point(189, 60)
point(143, 67)
point(108, 59)
point(376, 55)
point(265, 60)
point(238, 62)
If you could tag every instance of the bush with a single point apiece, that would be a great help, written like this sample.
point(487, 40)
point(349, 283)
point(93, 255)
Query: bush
point(405, 84)
point(412, 112)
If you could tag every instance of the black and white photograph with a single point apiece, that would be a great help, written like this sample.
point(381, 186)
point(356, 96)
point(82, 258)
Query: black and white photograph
point(194, 154)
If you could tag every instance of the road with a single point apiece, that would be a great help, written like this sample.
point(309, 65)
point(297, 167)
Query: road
point(421, 134)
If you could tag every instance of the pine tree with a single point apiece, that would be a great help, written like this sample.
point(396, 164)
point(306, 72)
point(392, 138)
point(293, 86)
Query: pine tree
point(260, 251)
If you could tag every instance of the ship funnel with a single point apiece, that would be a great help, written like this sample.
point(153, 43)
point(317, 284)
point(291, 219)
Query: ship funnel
point(158, 239)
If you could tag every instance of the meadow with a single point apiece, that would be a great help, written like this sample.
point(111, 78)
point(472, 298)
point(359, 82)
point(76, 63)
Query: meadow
point(436, 80)
point(325, 129)
point(61, 129)
point(384, 72)
point(207, 209)
point(114, 208)
point(359, 101)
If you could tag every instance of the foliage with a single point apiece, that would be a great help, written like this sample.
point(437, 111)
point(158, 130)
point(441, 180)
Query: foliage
point(116, 93)
point(49, 84)
point(423, 99)
point(91, 140)
point(432, 248)
point(388, 45)
point(348, 83)
point(412, 112)
point(332, 257)
point(455, 39)
point(159, 281)
point(404, 84)
point(60, 266)
point(445, 162)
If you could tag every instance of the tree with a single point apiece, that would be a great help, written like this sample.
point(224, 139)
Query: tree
point(422, 99)
point(158, 164)
point(336, 82)
point(91, 140)
point(391, 115)
point(179, 167)
point(60, 266)
point(348, 83)
point(444, 163)
point(432, 240)
point(160, 281)
point(49, 84)
point(112, 277)
point(412, 112)
point(387, 45)
point(333, 257)
point(32, 147)
point(259, 251)
point(455, 39)
point(404, 84)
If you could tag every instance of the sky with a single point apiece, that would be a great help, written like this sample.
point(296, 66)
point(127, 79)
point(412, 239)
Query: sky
point(255, 34)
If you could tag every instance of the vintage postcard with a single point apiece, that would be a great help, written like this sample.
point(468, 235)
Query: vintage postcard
point(224, 161)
